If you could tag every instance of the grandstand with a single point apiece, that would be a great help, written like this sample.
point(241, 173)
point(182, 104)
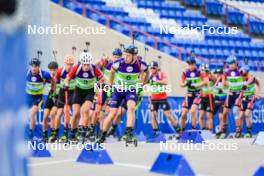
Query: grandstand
point(146, 16)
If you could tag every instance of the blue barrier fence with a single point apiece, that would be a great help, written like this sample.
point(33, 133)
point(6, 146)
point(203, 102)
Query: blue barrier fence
point(143, 122)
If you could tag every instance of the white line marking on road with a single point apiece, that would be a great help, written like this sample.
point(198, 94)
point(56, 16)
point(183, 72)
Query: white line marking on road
point(132, 165)
point(50, 163)
point(72, 160)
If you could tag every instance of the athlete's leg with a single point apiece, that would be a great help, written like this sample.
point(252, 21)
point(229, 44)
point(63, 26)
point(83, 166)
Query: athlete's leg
point(121, 110)
point(53, 114)
point(202, 119)
point(131, 105)
point(172, 120)
point(184, 118)
point(248, 123)
point(32, 117)
point(85, 118)
point(193, 115)
point(75, 118)
point(154, 122)
point(45, 119)
point(210, 121)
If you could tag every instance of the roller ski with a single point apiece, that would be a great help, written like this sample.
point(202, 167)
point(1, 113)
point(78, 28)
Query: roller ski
point(223, 135)
point(73, 140)
point(111, 132)
point(63, 139)
point(131, 140)
point(45, 139)
point(176, 135)
point(238, 133)
point(124, 137)
point(101, 139)
point(173, 137)
point(248, 135)
point(53, 138)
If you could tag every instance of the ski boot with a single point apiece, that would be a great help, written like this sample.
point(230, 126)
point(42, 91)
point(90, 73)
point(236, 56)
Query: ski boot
point(238, 133)
point(101, 139)
point(64, 139)
point(53, 138)
point(111, 132)
point(248, 135)
point(131, 140)
point(45, 139)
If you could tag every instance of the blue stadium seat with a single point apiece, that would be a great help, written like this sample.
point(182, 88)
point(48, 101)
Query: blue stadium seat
point(214, 46)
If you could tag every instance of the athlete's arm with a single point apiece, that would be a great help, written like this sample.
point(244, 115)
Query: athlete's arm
point(146, 78)
point(144, 73)
point(99, 74)
point(257, 82)
point(225, 83)
point(58, 75)
point(71, 75)
point(163, 80)
point(48, 77)
point(98, 63)
point(183, 79)
point(111, 76)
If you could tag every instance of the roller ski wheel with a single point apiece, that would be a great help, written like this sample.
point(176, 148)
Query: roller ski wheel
point(124, 137)
point(53, 139)
point(45, 139)
point(238, 135)
point(82, 140)
point(248, 135)
point(131, 140)
point(92, 138)
point(111, 132)
point(73, 140)
point(89, 133)
point(173, 137)
point(222, 136)
point(64, 139)
point(99, 140)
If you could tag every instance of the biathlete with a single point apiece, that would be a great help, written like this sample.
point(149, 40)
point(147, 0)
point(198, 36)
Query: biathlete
point(251, 92)
point(50, 108)
point(189, 79)
point(206, 101)
point(60, 77)
point(158, 82)
point(234, 81)
point(35, 81)
point(219, 92)
point(85, 75)
point(104, 97)
point(125, 76)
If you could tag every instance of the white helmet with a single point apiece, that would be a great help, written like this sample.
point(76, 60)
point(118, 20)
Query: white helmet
point(86, 58)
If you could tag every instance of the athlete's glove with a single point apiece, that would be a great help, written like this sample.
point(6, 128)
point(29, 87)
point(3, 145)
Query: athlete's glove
point(244, 85)
point(220, 91)
point(109, 92)
point(51, 94)
point(188, 83)
point(65, 87)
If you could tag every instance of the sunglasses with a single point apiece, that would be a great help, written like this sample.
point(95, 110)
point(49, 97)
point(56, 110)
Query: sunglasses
point(154, 68)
